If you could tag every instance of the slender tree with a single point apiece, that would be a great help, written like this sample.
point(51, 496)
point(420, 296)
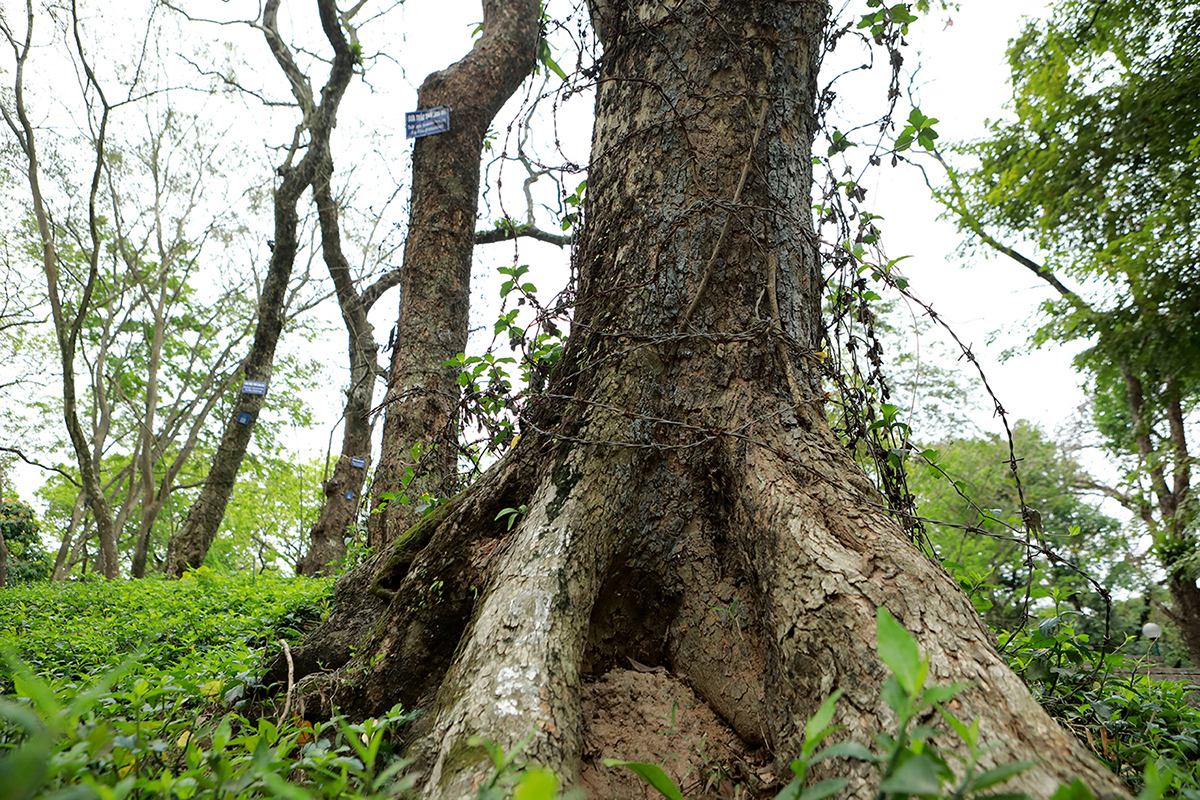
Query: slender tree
point(68, 313)
point(189, 545)
point(679, 458)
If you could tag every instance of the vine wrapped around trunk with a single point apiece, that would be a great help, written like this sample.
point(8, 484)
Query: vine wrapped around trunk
point(679, 461)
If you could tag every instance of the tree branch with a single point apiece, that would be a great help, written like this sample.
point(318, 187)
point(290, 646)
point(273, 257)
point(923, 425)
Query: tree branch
point(507, 231)
point(958, 206)
point(39, 464)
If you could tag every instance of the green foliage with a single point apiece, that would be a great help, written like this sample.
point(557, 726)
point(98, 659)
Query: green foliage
point(425, 502)
point(27, 556)
point(1145, 731)
point(973, 489)
point(143, 732)
point(267, 521)
point(919, 128)
point(77, 629)
point(1100, 165)
point(511, 778)
point(166, 721)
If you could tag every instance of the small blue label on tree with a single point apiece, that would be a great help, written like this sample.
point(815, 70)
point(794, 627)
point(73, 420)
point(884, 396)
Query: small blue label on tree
point(360, 463)
point(254, 387)
point(244, 418)
point(349, 495)
point(426, 122)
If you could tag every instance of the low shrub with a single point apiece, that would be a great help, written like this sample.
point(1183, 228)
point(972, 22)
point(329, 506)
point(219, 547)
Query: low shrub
point(77, 630)
point(1128, 721)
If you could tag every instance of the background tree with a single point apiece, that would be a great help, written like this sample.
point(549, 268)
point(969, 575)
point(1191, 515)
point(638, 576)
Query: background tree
point(984, 543)
point(420, 432)
point(68, 313)
point(25, 558)
point(679, 459)
point(318, 111)
point(267, 522)
point(155, 349)
point(1100, 164)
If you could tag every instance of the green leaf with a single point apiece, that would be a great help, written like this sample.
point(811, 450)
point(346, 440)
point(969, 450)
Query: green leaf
point(940, 694)
point(1075, 791)
point(820, 720)
point(967, 734)
point(896, 698)
point(537, 783)
point(823, 789)
point(545, 57)
point(651, 774)
point(898, 649)
point(1157, 783)
point(918, 775)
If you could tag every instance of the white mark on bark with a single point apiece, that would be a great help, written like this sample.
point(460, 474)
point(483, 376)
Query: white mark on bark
point(514, 685)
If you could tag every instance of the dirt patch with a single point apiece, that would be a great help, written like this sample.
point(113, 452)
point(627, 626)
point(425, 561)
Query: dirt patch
point(654, 717)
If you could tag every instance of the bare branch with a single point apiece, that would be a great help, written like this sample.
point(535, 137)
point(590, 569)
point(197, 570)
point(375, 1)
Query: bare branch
point(506, 232)
point(39, 464)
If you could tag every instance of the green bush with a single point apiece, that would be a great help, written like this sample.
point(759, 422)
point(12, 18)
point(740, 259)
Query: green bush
point(76, 630)
point(1129, 721)
point(168, 721)
point(142, 732)
point(27, 556)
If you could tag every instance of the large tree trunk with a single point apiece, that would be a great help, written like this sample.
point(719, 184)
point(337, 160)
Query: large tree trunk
point(680, 461)
point(1185, 597)
point(420, 429)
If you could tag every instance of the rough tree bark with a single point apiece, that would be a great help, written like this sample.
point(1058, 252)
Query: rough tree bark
point(189, 545)
point(680, 460)
point(422, 400)
point(327, 538)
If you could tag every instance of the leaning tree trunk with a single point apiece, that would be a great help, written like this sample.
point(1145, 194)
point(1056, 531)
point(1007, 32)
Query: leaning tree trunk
point(680, 461)
point(189, 545)
point(420, 429)
point(327, 538)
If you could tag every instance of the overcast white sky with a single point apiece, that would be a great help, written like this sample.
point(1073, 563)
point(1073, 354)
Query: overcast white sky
point(963, 81)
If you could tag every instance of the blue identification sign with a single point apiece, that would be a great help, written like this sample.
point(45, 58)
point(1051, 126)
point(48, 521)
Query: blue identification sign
point(244, 418)
point(360, 463)
point(426, 122)
point(254, 387)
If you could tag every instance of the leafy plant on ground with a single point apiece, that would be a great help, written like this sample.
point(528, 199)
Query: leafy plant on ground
point(142, 732)
point(74, 630)
point(1131, 722)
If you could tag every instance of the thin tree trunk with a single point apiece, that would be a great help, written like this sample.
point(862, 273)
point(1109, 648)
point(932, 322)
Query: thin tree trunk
point(188, 547)
point(343, 490)
point(62, 560)
point(420, 430)
point(67, 325)
point(680, 461)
